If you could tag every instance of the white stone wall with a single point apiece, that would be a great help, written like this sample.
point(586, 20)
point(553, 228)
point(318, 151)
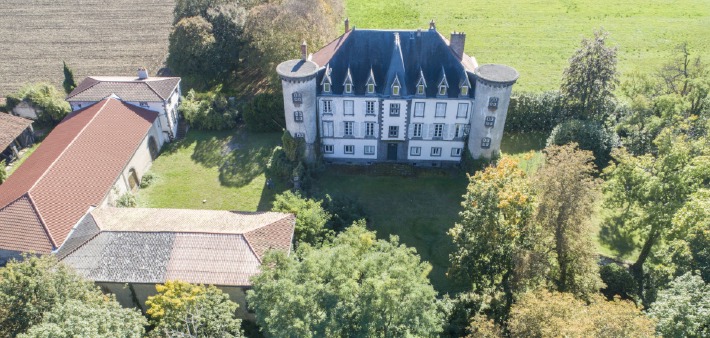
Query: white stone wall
point(430, 119)
point(309, 126)
point(23, 109)
point(359, 145)
point(446, 148)
point(484, 91)
point(398, 121)
point(359, 118)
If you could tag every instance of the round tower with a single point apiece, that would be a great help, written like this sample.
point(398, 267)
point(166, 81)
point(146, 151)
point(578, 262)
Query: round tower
point(298, 78)
point(494, 84)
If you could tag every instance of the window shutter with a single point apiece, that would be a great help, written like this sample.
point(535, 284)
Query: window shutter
point(411, 130)
point(445, 132)
point(429, 130)
point(341, 129)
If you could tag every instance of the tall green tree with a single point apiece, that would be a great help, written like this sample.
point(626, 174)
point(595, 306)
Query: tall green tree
point(69, 84)
point(358, 286)
point(191, 45)
point(311, 217)
point(683, 310)
point(589, 81)
point(689, 248)
point(566, 189)
point(186, 310)
point(494, 233)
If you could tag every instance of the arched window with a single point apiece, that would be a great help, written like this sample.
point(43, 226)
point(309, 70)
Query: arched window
point(153, 148)
point(297, 98)
point(133, 179)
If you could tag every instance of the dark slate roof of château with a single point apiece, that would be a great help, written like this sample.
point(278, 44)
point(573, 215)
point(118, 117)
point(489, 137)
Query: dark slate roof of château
point(389, 53)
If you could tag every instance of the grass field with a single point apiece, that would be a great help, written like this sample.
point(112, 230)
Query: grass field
point(95, 37)
point(538, 37)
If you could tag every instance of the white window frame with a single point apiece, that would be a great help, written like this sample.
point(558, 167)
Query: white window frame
point(370, 88)
point(348, 88)
point(440, 109)
point(493, 102)
point(369, 129)
point(395, 90)
point(455, 152)
point(417, 130)
point(349, 149)
point(462, 110)
point(143, 104)
point(348, 107)
point(298, 116)
point(420, 89)
point(490, 121)
point(328, 129)
point(415, 151)
point(486, 142)
point(326, 87)
point(369, 150)
point(348, 128)
point(442, 90)
point(419, 112)
point(327, 106)
point(394, 109)
point(461, 130)
point(390, 133)
point(369, 107)
point(464, 90)
point(438, 130)
point(435, 151)
point(328, 148)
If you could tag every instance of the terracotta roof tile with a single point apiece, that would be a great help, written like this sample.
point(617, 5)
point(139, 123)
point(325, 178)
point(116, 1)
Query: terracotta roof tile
point(96, 88)
point(78, 163)
point(21, 228)
point(10, 128)
point(323, 55)
point(277, 235)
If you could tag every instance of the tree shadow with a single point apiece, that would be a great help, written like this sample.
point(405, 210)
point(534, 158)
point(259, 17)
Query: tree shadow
point(612, 235)
point(208, 152)
point(266, 201)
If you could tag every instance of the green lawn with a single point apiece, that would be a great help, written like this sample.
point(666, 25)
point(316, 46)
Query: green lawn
point(22, 158)
point(200, 172)
point(538, 37)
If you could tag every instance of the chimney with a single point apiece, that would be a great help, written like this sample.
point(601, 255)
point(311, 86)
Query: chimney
point(347, 24)
point(432, 25)
point(458, 40)
point(142, 73)
point(304, 51)
point(419, 32)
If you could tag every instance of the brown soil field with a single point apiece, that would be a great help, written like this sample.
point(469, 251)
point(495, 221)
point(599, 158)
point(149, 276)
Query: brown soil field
point(94, 37)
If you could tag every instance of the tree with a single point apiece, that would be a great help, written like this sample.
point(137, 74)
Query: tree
point(3, 172)
point(589, 135)
point(690, 237)
point(265, 112)
point(553, 314)
point(567, 190)
point(357, 286)
point(588, 82)
point(103, 318)
point(191, 45)
point(33, 287)
point(186, 310)
point(645, 192)
point(683, 310)
point(45, 98)
point(494, 233)
point(69, 84)
point(311, 218)
point(687, 77)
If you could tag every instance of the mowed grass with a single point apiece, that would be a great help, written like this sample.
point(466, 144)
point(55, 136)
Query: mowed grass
point(538, 37)
point(213, 170)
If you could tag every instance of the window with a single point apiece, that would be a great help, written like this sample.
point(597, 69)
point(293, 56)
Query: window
point(326, 87)
point(299, 135)
point(394, 109)
point(370, 88)
point(327, 107)
point(420, 90)
point(440, 109)
point(464, 90)
point(486, 142)
point(369, 150)
point(490, 121)
point(435, 151)
point(493, 102)
point(349, 149)
point(419, 109)
point(442, 90)
point(348, 128)
point(328, 148)
point(395, 90)
point(461, 130)
point(394, 131)
point(143, 104)
point(417, 132)
point(456, 152)
point(327, 128)
point(438, 130)
point(298, 116)
point(153, 148)
point(463, 110)
point(348, 107)
point(133, 181)
point(415, 151)
point(370, 108)
point(297, 98)
point(369, 129)
point(348, 88)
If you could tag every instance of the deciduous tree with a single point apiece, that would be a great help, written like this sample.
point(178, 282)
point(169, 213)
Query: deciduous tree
point(311, 218)
point(683, 310)
point(357, 286)
point(45, 98)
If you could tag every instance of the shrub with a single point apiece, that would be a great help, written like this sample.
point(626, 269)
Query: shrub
point(265, 113)
point(208, 111)
point(45, 98)
point(590, 135)
point(147, 180)
point(126, 200)
point(344, 210)
point(619, 282)
point(535, 111)
point(3, 172)
point(279, 165)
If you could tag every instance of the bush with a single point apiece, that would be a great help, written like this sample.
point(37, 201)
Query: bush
point(147, 180)
point(126, 200)
point(619, 282)
point(3, 172)
point(208, 111)
point(265, 113)
point(279, 165)
point(589, 135)
point(45, 98)
point(535, 112)
point(344, 210)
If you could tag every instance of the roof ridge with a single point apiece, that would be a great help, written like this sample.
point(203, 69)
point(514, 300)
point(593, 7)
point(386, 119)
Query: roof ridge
point(85, 89)
point(68, 145)
point(41, 219)
point(154, 91)
point(246, 239)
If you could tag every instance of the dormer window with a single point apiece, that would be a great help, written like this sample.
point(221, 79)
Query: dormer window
point(464, 90)
point(444, 84)
point(348, 88)
point(348, 83)
point(442, 90)
point(326, 87)
point(370, 88)
point(420, 90)
point(370, 83)
point(396, 86)
point(395, 90)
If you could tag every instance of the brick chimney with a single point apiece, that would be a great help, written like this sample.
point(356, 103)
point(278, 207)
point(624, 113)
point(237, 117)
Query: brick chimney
point(432, 25)
point(304, 51)
point(142, 73)
point(457, 43)
point(347, 24)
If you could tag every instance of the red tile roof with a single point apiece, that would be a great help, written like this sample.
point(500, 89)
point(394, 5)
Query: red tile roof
point(22, 228)
point(75, 167)
point(323, 55)
point(10, 128)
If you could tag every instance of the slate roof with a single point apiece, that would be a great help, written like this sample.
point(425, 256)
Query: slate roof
point(152, 89)
point(136, 245)
point(389, 53)
point(11, 127)
point(75, 167)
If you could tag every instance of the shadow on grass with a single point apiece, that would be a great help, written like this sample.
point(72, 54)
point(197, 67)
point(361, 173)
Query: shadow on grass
point(208, 152)
point(243, 165)
point(612, 236)
point(517, 143)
